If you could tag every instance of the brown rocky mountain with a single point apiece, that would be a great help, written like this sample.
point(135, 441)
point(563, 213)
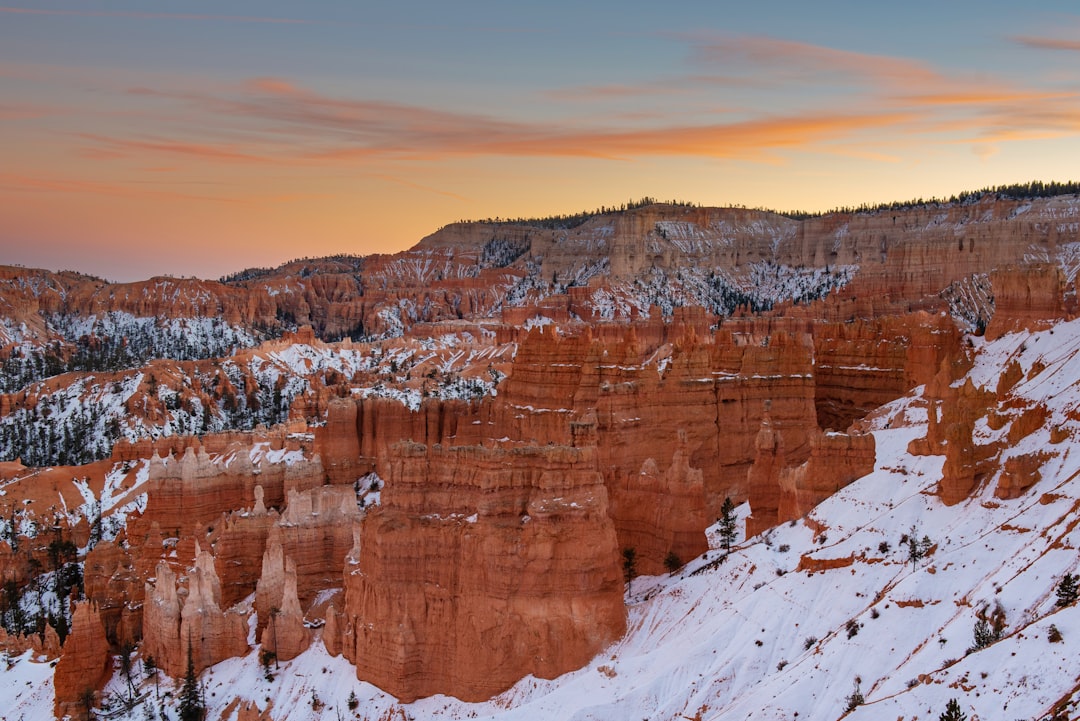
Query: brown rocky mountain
point(445, 498)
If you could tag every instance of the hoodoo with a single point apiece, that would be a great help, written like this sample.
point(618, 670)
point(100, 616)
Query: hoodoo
point(489, 466)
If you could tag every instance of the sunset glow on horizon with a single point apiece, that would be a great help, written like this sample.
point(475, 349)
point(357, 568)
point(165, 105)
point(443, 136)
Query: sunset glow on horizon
point(199, 138)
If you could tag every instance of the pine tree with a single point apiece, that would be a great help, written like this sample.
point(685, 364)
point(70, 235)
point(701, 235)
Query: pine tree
point(629, 565)
point(727, 524)
point(953, 712)
point(86, 699)
point(191, 701)
point(983, 636)
point(1067, 591)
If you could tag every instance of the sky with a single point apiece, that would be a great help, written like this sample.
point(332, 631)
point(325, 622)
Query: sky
point(200, 138)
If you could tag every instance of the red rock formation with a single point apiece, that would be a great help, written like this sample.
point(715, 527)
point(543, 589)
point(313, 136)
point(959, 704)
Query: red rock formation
point(84, 664)
point(1026, 298)
point(965, 461)
point(172, 622)
point(114, 584)
point(649, 508)
point(504, 516)
point(1018, 474)
point(187, 495)
point(836, 459)
point(285, 635)
point(763, 478)
point(438, 604)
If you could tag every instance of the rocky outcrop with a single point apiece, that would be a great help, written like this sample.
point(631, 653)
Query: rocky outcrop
point(189, 493)
point(1028, 297)
point(1018, 474)
point(482, 565)
point(496, 550)
point(836, 459)
point(113, 582)
point(284, 635)
point(763, 477)
point(950, 430)
point(660, 514)
point(176, 624)
point(84, 665)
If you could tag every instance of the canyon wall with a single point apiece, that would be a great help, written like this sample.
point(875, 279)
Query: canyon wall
point(483, 564)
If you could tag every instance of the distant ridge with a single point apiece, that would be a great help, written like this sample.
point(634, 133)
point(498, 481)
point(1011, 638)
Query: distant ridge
point(1014, 191)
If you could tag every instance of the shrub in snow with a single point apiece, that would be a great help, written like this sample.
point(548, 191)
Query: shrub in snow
point(855, 698)
point(1067, 590)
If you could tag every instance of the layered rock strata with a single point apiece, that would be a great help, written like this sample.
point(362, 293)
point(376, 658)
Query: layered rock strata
point(482, 564)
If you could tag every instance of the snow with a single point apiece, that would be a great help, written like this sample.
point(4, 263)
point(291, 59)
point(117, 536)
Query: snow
point(753, 637)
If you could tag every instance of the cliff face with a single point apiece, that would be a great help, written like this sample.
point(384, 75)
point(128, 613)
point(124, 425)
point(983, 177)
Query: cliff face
point(84, 663)
point(551, 397)
point(176, 624)
point(482, 565)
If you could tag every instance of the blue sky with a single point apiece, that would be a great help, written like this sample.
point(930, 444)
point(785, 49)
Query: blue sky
point(198, 137)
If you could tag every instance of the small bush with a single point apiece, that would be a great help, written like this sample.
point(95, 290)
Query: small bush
point(266, 658)
point(808, 642)
point(352, 702)
point(1055, 634)
point(874, 613)
point(852, 627)
point(780, 666)
point(855, 698)
point(783, 548)
point(884, 547)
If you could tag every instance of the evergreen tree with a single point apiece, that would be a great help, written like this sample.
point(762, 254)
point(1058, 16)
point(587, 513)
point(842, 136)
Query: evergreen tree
point(191, 701)
point(983, 635)
point(917, 549)
point(953, 712)
point(629, 564)
point(86, 699)
point(1067, 590)
point(728, 524)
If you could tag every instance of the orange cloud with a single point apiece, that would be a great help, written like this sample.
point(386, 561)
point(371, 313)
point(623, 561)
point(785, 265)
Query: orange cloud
point(117, 147)
point(985, 97)
point(318, 128)
point(746, 139)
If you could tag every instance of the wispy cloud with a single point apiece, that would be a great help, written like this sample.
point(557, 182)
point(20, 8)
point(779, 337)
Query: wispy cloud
point(314, 127)
point(789, 58)
point(679, 85)
point(154, 15)
point(864, 97)
point(1042, 43)
point(121, 147)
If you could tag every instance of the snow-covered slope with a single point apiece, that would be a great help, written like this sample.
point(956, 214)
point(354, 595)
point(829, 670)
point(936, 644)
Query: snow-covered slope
point(794, 621)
